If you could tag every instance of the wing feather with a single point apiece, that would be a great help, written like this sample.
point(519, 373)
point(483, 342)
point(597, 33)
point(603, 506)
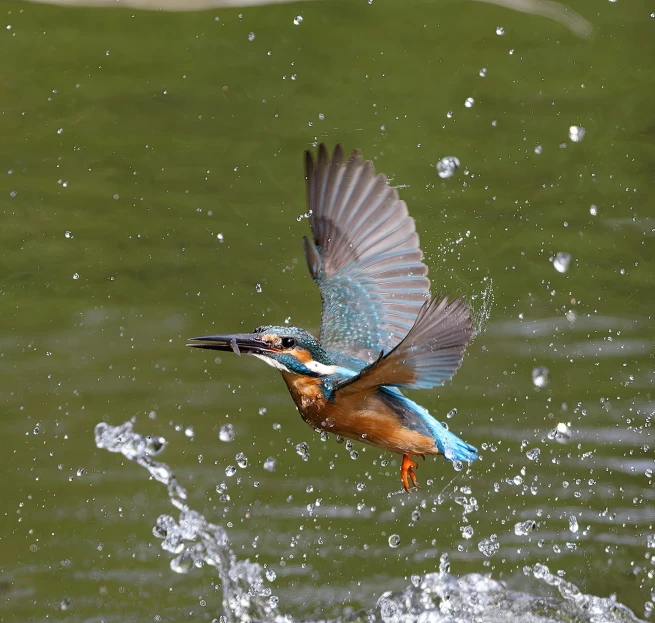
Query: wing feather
point(364, 256)
point(429, 355)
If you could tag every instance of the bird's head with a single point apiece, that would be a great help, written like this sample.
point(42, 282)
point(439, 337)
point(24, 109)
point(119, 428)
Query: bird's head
point(289, 349)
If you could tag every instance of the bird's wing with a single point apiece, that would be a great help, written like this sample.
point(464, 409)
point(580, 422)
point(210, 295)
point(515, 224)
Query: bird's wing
point(428, 356)
point(364, 255)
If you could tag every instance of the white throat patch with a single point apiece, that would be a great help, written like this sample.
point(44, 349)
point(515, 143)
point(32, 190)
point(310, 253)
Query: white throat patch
point(272, 362)
point(315, 366)
point(320, 368)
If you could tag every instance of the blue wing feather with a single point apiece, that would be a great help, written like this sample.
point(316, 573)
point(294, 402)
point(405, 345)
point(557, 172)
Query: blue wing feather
point(428, 356)
point(364, 256)
point(417, 418)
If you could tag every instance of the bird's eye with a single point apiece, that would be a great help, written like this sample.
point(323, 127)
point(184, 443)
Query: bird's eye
point(288, 342)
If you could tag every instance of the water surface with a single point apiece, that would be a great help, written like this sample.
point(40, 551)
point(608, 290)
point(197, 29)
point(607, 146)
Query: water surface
point(152, 190)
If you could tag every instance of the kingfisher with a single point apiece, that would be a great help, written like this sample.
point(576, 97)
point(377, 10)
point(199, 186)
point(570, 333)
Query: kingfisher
point(381, 331)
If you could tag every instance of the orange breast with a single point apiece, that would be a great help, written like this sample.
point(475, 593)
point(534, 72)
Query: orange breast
point(363, 418)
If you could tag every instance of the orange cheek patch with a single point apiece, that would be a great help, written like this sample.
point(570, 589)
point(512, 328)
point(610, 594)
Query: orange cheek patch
point(302, 355)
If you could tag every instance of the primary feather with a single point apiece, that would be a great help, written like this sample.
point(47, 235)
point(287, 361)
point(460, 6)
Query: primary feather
point(364, 256)
point(428, 356)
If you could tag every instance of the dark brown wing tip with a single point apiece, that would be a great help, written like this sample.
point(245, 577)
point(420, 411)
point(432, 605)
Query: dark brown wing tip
point(322, 158)
point(309, 164)
point(337, 154)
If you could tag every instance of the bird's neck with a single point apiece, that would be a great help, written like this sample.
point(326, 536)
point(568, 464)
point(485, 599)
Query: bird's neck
point(308, 392)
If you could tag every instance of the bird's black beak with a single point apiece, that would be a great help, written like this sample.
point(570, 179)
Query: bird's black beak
point(237, 342)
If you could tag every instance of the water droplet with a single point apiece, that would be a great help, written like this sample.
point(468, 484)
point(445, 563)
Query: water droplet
point(226, 433)
point(573, 524)
point(447, 166)
point(538, 149)
point(261, 411)
point(230, 470)
point(593, 210)
point(117, 197)
point(416, 580)
point(458, 466)
point(188, 431)
point(154, 444)
point(270, 464)
point(220, 237)
point(297, 20)
point(258, 288)
point(533, 454)
point(80, 472)
point(650, 541)
point(241, 460)
point(361, 486)
point(76, 275)
point(467, 531)
point(449, 114)
point(576, 133)
point(444, 563)
point(36, 429)
point(489, 546)
point(183, 563)
point(451, 413)
point(302, 449)
point(469, 103)
point(68, 234)
point(562, 433)
point(541, 376)
point(500, 31)
point(270, 575)
point(251, 36)
point(483, 72)
point(523, 528)
point(416, 515)
point(561, 262)
point(394, 541)
point(354, 455)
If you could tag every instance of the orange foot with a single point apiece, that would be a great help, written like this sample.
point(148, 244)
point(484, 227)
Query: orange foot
point(407, 469)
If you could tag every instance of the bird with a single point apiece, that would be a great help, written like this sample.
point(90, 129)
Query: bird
point(381, 331)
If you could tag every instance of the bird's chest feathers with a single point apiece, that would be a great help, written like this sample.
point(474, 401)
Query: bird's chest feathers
point(307, 393)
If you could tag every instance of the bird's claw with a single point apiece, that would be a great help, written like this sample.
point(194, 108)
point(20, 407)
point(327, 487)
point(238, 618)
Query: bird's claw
point(407, 469)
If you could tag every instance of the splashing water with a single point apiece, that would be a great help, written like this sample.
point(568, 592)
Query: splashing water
point(481, 305)
point(432, 598)
point(443, 598)
point(194, 540)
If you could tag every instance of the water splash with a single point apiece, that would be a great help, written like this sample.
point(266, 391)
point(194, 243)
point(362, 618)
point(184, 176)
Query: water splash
point(195, 541)
point(433, 598)
point(443, 598)
point(481, 305)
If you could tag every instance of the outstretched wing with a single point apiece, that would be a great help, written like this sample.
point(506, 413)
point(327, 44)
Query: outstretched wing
point(428, 356)
point(364, 257)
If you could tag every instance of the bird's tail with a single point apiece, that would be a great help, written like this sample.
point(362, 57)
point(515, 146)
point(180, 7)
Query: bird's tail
point(453, 448)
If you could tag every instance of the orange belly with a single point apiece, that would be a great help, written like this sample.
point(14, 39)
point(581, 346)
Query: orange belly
point(367, 418)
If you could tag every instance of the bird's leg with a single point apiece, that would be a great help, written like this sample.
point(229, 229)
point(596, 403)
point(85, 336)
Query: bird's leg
point(407, 469)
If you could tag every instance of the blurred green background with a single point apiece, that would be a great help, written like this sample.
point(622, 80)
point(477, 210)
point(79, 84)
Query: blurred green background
point(152, 190)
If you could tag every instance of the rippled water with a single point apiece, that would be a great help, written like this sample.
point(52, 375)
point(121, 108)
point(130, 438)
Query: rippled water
point(152, 190)
point(434, 598)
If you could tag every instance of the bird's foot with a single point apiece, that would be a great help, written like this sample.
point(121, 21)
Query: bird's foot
point(407, 469)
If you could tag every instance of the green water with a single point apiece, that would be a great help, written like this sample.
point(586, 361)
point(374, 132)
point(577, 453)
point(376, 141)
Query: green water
point(146, 135)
